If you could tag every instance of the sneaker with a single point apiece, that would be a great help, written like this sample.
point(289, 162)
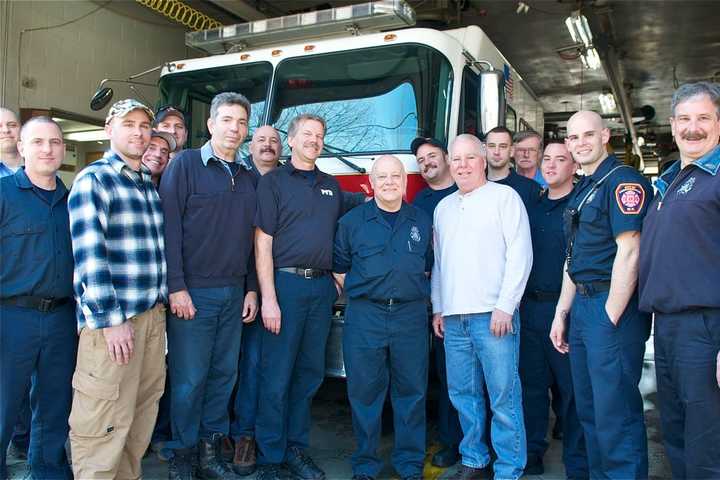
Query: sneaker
point(244, 459)
point(302, 466)
point(180, 467)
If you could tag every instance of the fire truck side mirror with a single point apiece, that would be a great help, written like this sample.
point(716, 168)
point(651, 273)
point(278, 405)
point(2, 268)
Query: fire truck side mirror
point(492, 99)
point(101, 98)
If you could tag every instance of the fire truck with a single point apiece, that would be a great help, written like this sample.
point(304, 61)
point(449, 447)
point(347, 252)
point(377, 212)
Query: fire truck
point(378, 81)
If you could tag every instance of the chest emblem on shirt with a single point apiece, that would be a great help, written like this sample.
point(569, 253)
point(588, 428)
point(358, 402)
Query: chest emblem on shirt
point(687, 186)
point(630, 198)
point(415, 234)
point(326, 191)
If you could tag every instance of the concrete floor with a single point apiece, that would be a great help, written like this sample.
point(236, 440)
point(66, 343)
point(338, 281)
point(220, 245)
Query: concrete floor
point(332, 438)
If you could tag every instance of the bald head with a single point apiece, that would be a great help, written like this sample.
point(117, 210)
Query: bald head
point(388, 180)
point(587, 139)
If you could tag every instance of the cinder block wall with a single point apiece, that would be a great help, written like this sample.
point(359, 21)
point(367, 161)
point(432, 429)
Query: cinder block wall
point(61, 67)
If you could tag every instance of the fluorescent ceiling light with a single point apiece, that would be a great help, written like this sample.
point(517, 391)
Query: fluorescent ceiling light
point(579, 29)
point(87, 136)
point(607, 102)
point(590, 59)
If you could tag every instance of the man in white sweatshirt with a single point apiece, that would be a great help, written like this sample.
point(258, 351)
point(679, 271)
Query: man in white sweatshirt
point(483, 256)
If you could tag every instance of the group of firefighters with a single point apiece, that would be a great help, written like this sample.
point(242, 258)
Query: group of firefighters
point(543, 287)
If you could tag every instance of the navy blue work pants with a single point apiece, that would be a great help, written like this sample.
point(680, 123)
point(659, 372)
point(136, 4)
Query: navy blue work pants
point(38, 350)
point(21, 434)
point(248, 382)
point(449, 429)
point(202, 360)
point(606, 363)
point(292, 364)
point(387, 346)
point(686, 349)
point(541, 366)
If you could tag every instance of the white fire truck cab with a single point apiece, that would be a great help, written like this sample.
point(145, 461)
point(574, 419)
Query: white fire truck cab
point(377, 82)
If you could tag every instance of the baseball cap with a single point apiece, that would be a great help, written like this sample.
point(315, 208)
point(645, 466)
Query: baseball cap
point(172, 144)
point(123, 107)
point(420, 141)
point(168, 111)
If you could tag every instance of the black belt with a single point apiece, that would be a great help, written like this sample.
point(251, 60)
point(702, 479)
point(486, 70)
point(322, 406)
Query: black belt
point(305, 272)
point(38, 303)
point(542, 296)
point(387, 302)
point(591, 288)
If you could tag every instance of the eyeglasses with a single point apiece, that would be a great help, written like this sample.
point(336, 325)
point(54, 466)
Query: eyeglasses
point(525, 151)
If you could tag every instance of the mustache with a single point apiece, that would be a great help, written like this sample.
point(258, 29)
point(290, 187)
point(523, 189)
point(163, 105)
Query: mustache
point(428, 166)
point(267, 149)
point(692, 136)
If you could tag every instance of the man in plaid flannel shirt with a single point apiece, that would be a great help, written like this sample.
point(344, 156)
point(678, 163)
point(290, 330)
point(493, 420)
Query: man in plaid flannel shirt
point(120, 283)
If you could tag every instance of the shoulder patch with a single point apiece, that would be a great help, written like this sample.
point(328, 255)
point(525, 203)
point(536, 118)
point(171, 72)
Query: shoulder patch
point(630, 198)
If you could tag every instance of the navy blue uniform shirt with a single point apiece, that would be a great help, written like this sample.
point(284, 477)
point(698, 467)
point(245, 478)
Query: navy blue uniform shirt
point(529, 190)
point(548, 242)
point(618, 206)
point(384, 262)
point(209, 222)
point(680, 244)
point(36, 249)
point(427, 198)
point(300, 215)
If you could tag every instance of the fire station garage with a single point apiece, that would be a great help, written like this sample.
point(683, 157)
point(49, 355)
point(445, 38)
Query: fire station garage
point(382, 74)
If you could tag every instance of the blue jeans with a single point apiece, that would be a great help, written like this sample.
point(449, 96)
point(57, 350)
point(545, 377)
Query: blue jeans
point(476, 357)
point(606, 363)
point(248, 382)
point(202, 361)
point(292, 365)
point(387, 346)
point(39, 349)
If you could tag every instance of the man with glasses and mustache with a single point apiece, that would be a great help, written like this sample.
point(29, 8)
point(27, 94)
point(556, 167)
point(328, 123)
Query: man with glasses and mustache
point(679, 267)
point(431, 156)
point(10, 159)
point(209, 205)
point(528, 147)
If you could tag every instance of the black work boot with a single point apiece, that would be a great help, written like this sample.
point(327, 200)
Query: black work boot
point(302, 466)
point(180, 467)
point(210, 462)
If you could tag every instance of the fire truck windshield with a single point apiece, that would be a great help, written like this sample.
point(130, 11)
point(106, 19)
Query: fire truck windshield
point(373, 100)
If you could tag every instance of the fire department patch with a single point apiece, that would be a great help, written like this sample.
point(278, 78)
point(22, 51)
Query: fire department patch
point(630, 198)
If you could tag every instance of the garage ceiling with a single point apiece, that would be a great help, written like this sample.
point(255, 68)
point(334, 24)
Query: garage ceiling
point(658, 44)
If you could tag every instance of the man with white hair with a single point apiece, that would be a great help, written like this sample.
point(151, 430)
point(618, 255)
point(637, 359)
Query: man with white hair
point(383, 257)
point(483, 256)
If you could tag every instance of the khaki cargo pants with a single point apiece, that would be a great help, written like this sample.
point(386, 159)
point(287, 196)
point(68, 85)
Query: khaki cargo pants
point(115, 406)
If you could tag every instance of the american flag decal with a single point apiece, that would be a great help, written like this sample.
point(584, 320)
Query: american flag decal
point(508, 82)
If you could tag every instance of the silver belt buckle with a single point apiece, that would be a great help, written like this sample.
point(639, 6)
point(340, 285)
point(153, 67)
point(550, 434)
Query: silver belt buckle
point(307, 273)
